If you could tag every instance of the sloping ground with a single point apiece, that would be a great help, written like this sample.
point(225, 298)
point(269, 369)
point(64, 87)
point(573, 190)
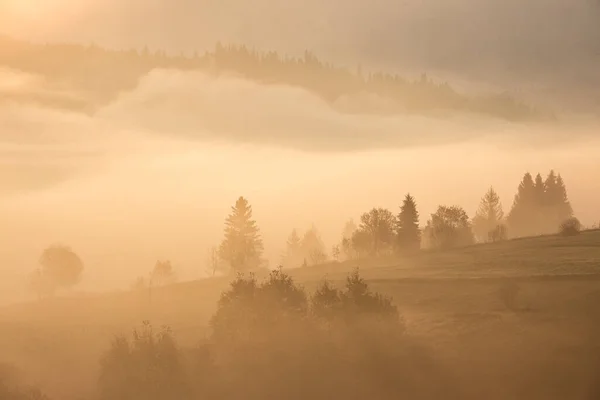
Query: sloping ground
point(545, 347)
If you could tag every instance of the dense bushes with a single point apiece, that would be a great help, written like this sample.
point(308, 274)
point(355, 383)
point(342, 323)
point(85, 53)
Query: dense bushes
point(271, 340)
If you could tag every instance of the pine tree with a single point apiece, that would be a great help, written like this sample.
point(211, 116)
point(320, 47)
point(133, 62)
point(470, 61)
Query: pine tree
point(408, 233)
point(242, 246)
point(524, 214)
point(540, 190)
point(557, 208)
point(293, 252)
point(565, 210)
point(489, 216)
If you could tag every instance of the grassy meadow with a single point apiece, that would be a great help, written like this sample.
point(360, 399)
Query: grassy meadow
point(513, 320)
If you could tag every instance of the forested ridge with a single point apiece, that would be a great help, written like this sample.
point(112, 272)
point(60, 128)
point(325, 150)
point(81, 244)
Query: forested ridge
point(94, 76)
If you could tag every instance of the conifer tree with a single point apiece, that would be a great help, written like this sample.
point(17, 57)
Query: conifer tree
point(523, 217)
point(242, 245)
point(408, 233)
point(293, 254)
point(565, 210)
point(489, 216)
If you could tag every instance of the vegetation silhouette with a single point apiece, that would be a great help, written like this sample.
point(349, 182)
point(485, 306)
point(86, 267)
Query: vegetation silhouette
point(101, 74)
point(271, 340)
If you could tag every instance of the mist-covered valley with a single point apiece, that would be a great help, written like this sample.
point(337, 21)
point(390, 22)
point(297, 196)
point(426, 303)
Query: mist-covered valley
point(152, 174)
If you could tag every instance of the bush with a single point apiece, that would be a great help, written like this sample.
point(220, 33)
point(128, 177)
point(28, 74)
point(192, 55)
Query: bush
point(571, 227)
point(145, 367)
point(11, 387)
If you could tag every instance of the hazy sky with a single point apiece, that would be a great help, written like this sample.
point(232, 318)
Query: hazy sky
point(547, 47)
point(153, 174)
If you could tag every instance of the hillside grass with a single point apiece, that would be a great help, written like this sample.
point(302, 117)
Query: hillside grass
point(544, 347)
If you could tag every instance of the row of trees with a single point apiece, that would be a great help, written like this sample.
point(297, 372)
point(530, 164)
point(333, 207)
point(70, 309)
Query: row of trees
point(540, 207)
point(115, 71)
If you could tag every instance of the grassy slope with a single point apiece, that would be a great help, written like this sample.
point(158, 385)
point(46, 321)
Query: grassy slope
point(545, 349)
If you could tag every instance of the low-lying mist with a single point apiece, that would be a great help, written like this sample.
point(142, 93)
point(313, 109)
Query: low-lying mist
point(153, 174)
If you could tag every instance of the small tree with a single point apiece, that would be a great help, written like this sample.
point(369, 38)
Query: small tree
point(489, 217)
point(146, 366)
point(214, 264)
point(335, 252)
point(242, 245)
point(61, 265)
point(571, 227)
point(312, 247)
point(293, 256)
point(376, 231)
point(449, 227)
point(163, 273)
point(408, 233)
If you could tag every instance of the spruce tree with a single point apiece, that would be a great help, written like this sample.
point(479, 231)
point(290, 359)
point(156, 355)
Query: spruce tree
point(557, 208)
point(242, 245)
point(564, 208)
point(408, 233)
point(489, 216)
point(523, 216)
point(293, 253)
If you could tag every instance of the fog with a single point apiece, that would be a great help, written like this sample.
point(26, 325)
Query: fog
point(545, 49)
point(153, 174)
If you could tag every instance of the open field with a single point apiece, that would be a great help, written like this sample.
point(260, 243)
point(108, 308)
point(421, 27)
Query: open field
point(544, 346)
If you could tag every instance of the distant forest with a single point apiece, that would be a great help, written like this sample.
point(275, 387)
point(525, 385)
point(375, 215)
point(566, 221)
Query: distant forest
point(97, 75)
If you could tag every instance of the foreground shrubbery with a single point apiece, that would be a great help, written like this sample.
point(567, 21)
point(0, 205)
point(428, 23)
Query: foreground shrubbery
point(270, 340)
point(11, 387)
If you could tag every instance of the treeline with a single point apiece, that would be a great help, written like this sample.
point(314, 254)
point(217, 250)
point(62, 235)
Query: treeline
point(273, 340)
point(541, 206)
point(102, 73)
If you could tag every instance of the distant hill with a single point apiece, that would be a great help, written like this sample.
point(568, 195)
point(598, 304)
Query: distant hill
point(96, 75)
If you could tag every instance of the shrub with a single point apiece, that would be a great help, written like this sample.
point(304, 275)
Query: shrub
point(570, 227)
point(145, 366)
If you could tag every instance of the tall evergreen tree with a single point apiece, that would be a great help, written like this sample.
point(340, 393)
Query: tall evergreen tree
point(293, 253)
point(242, 245)
point(540, 190)
point(408, 233)
point(565, 210)
point(524, 214)
point(489, 216)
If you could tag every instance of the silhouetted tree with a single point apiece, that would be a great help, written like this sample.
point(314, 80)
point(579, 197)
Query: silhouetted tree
point(335, 252)
point(489, 217)
point(524, 217)
point(313, 248)
point(145, 367)
point(294, 255)
point(408, 233)
point(242, 246)
point(347, 246)
point(571, 227)
point(375, 232)
point(163, 273)
point(61, 266)
point(449, 227)
point(540, 207)
point(214, 264)
point(557, 206)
